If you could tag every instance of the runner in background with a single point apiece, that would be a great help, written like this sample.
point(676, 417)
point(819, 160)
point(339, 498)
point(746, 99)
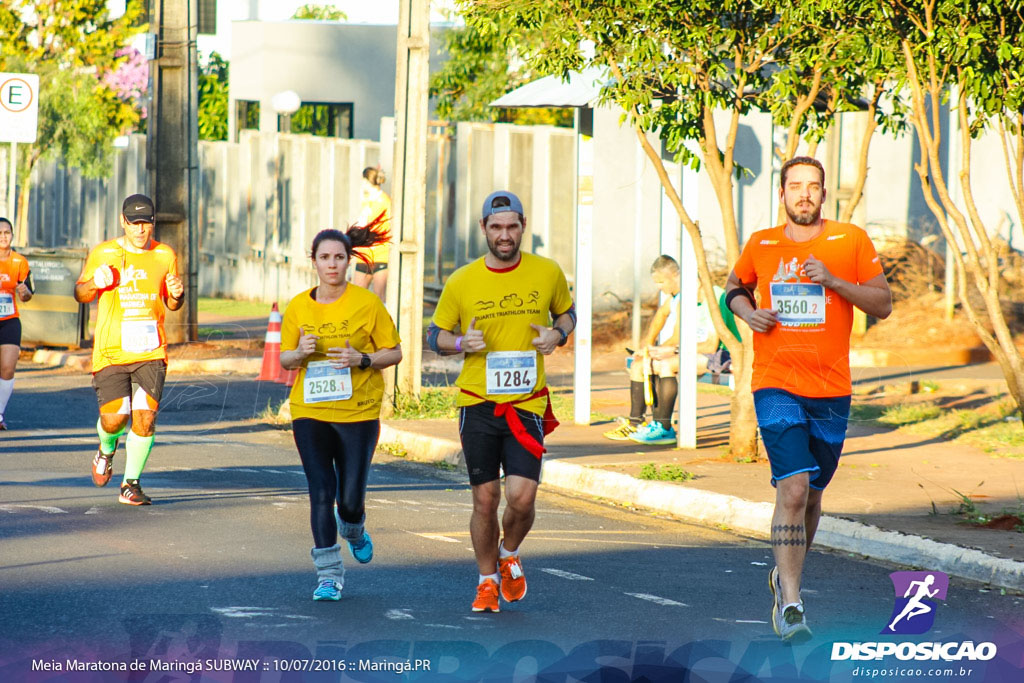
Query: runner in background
point(504, 303)
point(136, 280)
point(15, 285)
point(373, 273)
point(339, 338)
point(810, 273)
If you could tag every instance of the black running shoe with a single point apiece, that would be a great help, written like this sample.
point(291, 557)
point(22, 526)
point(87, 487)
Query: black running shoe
point(131, 494)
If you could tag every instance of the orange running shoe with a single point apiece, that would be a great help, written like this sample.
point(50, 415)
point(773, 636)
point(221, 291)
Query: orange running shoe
point(513, 582)
point(486, 597)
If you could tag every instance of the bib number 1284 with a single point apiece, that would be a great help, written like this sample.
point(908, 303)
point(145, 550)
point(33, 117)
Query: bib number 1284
point(511, 372)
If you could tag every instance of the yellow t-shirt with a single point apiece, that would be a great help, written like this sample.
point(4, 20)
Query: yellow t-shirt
point(370, 210)
point(359, 317)
point(504, 302)
point(130, 320)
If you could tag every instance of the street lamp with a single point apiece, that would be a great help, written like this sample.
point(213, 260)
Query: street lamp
point(286, 103)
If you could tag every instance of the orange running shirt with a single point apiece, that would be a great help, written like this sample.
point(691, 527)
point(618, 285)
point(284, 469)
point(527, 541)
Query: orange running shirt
point(130, 322)
point(808, 352)
point(12, 271)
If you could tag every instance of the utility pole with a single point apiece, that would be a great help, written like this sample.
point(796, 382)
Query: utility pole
point(409, 190)
point(172, 157)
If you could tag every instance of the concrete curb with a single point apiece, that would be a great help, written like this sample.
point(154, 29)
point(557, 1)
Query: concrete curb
point(747, 517)
point(184, 366)
point(422, 448)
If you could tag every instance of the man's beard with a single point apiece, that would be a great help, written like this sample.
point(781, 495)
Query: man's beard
point(506, 259)
point(806, 218)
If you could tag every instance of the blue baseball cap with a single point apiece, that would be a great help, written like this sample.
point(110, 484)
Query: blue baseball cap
point(501, 201)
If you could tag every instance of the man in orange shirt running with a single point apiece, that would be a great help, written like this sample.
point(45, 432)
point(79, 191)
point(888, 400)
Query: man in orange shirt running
point(810, 273)
point(136, 280)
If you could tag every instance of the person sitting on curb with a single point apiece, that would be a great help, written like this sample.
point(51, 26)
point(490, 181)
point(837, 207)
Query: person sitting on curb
point(653, 369)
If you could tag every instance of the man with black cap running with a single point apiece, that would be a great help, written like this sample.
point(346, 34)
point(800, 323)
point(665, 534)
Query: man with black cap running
point(513, 309)
point(136, 280)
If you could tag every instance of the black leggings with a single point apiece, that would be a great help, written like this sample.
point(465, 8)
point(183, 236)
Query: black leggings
point(336, 458)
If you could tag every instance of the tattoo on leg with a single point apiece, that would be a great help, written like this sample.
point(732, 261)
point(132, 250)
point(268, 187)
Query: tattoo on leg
point(788, 534)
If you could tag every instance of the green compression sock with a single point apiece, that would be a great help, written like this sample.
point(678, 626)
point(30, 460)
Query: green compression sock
point(108, 442)
point(138, 448)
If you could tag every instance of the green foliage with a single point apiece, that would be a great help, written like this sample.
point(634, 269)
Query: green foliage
point(432, 404)
point(393, 448)
point(73, 46)
point(909, 413)
point(653, 472)
point(481, 68)
point(213, 99)
point(320, 13)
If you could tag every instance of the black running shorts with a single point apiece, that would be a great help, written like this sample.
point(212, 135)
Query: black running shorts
point(114, 382)
point(370, 269)
point(488, 443)
point(10, 331)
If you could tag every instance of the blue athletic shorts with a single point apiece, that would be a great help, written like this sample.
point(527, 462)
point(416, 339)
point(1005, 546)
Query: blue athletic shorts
point(802, 434)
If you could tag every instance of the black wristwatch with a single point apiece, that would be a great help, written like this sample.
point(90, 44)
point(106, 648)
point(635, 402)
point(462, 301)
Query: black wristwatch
point(565, 335)
point(365, 361)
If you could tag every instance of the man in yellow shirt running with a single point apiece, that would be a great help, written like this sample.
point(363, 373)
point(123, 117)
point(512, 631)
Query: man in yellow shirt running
point(503, 304)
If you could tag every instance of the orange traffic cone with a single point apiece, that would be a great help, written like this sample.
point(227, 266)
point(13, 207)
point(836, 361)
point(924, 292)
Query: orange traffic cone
point(271, 368)
point(286, 377)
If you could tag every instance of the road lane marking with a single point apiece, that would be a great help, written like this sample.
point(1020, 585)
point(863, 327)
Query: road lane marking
point(434, 537)
point(658, 600)
point(42, 508)
point(250, 612)
point(398, 614)
point(566, 575)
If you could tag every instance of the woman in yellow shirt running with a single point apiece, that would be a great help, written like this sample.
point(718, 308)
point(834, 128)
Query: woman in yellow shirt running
point(372, 274)
point(339, 338)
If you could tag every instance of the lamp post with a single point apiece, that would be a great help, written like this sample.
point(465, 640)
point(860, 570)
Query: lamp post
point(286, 103)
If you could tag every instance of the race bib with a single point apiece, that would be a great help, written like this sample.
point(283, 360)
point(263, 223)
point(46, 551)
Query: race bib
point(139, 336)
point(324, 382)
point(511, 372)
point(799, 304)
point(6, 304)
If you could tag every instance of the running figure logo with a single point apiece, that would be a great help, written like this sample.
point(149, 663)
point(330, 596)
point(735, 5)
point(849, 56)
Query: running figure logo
point(914, 611)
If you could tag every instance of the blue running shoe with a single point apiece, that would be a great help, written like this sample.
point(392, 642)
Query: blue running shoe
point(327, 590)
point(654, 435)
point(362, 550)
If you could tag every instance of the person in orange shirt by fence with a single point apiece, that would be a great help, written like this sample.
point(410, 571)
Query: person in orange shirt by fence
point(15, 285)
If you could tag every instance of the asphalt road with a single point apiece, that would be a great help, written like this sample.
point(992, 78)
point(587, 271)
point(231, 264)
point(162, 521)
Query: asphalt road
point(218, 569)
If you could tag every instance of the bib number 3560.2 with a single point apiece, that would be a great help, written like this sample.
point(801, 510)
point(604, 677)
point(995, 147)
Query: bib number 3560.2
point(799, 304)
point(511, 372)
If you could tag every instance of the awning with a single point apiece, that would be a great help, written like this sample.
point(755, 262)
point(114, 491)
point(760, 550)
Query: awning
point(581, 90)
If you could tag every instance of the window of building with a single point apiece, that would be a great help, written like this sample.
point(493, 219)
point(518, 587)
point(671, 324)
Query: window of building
point(207, 17)
point(247, 115)
point(326, 119)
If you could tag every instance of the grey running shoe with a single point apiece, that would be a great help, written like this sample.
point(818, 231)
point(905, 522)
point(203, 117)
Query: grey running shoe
point(791, 626)
point(773, 583)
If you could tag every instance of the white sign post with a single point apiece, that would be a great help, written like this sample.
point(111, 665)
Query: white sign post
point(19, 116)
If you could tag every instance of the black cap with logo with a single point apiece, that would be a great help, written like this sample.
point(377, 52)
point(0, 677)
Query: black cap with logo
point(138, 209)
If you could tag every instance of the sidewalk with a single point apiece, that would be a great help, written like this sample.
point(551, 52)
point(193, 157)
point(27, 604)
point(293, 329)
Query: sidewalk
point(880, 503)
